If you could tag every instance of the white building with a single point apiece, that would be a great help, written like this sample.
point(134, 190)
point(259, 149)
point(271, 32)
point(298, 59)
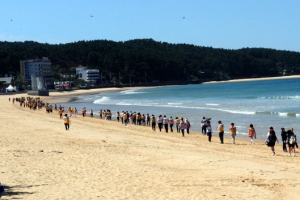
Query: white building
point(89, 75)
point(35, 67)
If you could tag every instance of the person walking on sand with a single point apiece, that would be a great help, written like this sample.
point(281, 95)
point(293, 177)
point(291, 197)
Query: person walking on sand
point(251, 134)
point(165, 123)
point(118, 116)
point(148, 119)
point(153, 122)
point(83, 111)
point(177, 122)
point(291, 140)
point(66, 121)
point(220, 129)
point(271, 139)
point(171, 123)
point(60, 113)
point(187, 126)
point(203, 125)
point(160, 122)
point(125, 119)
point(182, 126)
point(284, 139)
point(232, 132)
point(208, 130)
point(92, 113)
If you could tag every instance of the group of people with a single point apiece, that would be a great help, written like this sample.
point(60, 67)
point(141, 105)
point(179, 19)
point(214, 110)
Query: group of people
point(162, 121)
point(288, 137)
point(167, 123)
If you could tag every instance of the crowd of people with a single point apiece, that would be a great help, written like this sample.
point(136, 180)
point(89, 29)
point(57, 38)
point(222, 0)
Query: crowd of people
point(162, 122)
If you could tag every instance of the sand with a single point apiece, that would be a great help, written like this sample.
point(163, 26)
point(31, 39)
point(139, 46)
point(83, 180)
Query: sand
point(98, 159)
point(254, 79)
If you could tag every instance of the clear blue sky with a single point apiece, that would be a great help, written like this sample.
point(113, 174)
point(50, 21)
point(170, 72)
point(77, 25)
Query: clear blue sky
point(228, 24)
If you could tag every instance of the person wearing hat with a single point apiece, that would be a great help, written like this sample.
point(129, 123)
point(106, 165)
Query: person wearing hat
point(220, 128)
point(171, 123)
point(66, 121)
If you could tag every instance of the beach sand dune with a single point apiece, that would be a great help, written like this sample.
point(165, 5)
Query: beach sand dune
point(98, 159)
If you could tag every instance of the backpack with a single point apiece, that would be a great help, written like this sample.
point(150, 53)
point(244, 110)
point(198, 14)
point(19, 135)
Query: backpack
point(292, 139)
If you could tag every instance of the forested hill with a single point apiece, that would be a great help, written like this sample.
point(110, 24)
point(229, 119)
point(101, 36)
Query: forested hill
point(146, 59)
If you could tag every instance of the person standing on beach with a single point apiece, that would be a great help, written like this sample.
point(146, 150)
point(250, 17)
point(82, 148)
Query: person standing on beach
point(203, 126)
point(177, 122)
point(66, 121)
point(118, 116)
point(182, 126)
point(83, 111)
point(153, 122)
point(292, 140)
point(148, 119)
point(284, 139)
point(232, 132)
point(92, 113)
point(125, 118)
point(122, 116)
point(60, 113)
point(171, 123)
point(220, 129)
point(187, 126)
point(271, 139)
point(160, 122)
point(165, 123)
point(251, 134)
point(100, 114)
point(208, 130)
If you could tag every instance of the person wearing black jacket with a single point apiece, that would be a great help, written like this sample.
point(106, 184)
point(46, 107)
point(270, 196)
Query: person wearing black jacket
point(284, 139)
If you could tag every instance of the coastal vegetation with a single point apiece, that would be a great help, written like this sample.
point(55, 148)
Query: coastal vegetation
point(146, 60)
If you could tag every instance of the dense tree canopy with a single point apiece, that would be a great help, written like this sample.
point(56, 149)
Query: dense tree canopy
point(144, 60)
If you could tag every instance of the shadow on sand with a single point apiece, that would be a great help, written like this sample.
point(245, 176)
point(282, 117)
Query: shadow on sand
point(16, 192)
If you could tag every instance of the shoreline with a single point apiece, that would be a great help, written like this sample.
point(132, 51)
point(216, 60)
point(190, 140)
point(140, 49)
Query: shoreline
point(254, 79)
point(66, 96)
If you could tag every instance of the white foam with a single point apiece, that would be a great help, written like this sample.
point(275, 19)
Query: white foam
point(212, 104)
point(238, 112)
point(125, 92)
point(101, 100)
point(297, 115)
point(282, 114)
point(174, 103)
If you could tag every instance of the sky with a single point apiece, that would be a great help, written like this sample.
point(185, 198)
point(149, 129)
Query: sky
point(227, 24)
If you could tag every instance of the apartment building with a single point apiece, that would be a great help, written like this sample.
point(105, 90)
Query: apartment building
point(41, 67)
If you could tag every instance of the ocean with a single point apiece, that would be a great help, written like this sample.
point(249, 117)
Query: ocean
point(263, 103)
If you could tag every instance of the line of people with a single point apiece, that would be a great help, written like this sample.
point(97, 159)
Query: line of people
point(163, 122)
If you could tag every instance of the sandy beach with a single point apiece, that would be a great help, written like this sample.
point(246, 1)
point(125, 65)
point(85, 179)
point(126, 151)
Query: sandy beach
point(255, 79)
point(99, 159)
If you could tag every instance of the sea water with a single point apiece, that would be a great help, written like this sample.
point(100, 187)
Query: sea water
point(262, 103)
